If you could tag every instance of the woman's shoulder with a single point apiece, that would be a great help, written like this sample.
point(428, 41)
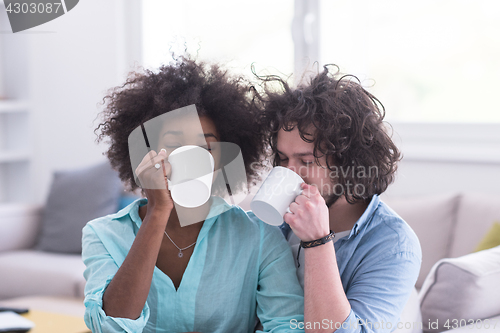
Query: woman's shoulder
point(122, 221)
point(115, 233)
point(237, 216)
point(247, 221)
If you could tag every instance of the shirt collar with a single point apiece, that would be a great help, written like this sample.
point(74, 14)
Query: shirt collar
point(218, 207)
point(132, 210)
point(367, 215)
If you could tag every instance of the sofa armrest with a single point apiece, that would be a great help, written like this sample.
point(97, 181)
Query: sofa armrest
point(410, 320)
point(19, 225)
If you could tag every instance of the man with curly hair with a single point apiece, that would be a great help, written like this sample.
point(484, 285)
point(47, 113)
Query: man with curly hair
point(331, 133)
point(146, 272)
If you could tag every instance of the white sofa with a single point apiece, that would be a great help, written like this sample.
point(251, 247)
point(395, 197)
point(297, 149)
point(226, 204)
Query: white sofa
point(448, 226)
point(25, 271)
point(40, 246)
point(451, 226)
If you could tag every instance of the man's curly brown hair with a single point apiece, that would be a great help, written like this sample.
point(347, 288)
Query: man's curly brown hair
point(348, 122)
point(223, 98)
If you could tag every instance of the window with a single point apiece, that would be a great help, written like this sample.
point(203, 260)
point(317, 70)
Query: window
point(431, 61)
point(234, 32)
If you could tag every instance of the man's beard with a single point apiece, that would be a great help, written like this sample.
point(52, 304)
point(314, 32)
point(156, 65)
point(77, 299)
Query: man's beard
point(330, 199)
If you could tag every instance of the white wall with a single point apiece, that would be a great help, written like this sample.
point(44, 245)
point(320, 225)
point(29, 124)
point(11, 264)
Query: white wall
point(423, 178)
point(447, 158)
point(73, 61)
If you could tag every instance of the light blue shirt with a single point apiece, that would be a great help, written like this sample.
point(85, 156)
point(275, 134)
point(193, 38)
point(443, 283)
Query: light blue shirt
point(240, 268)
point(378, 261)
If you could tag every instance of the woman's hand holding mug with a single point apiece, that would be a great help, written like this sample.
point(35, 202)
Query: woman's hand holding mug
point(153, 172)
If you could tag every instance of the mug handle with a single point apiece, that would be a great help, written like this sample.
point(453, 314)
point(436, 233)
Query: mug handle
point(288, 208)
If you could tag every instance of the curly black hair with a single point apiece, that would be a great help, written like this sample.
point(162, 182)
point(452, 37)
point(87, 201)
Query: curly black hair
point(348, 122)
point(146, 94)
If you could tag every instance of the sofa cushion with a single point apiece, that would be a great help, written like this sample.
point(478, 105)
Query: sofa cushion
point(432, 218)
point(462, 288)
point(492, 238)
point(19, 224)
point(75, 198)
point(33, 272)
point(476, 214)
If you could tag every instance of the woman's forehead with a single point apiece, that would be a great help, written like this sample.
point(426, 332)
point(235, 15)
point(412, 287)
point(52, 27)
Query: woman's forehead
point(191, 126)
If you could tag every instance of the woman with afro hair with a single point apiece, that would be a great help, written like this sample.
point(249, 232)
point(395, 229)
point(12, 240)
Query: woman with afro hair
point(145, 271)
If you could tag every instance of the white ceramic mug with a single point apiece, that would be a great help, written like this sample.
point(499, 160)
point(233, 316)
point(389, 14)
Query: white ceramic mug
point(274, 197)
point(190, 183)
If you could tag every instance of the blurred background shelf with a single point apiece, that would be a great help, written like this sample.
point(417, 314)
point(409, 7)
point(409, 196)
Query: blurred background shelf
point(16, 140)
point(13, 156)
point(13, 106)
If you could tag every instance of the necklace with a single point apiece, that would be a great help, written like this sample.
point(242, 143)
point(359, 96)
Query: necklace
point(178, 248)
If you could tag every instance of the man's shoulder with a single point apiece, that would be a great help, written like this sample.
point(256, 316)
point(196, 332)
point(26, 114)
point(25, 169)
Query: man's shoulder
point(392, 231)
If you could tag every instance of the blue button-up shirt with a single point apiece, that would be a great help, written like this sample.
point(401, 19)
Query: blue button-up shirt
point(378, 262)
point(240, 268)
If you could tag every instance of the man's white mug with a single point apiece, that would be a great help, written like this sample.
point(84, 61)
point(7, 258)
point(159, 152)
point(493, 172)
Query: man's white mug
point(278, 191)
point(190, 183)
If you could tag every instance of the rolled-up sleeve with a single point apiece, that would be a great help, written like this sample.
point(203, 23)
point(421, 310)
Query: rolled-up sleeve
point(280, 298)
point(379, 292)
point(100, 270)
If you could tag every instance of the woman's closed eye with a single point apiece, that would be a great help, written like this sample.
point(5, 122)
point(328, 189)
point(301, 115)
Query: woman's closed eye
point(172, 145)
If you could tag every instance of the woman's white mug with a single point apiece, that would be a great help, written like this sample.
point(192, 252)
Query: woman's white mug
point(190, 183)
point(274, 197)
